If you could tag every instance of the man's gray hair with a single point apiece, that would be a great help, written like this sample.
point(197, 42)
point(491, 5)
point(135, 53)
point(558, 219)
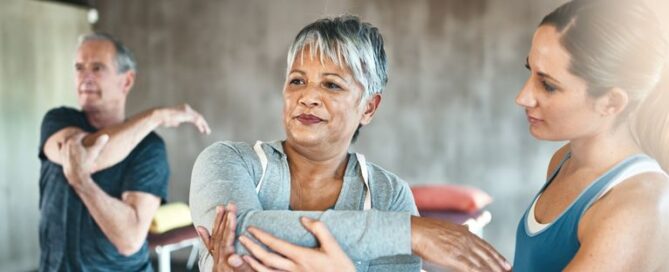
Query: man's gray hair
point(125, 60)
point(346, 41)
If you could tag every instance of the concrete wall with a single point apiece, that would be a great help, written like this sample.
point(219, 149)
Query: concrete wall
point(37, 42)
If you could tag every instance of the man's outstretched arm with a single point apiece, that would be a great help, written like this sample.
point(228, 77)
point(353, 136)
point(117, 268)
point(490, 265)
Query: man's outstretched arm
point(124, 137)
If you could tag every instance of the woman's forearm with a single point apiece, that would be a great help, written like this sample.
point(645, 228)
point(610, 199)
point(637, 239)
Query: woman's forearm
point(363, 235)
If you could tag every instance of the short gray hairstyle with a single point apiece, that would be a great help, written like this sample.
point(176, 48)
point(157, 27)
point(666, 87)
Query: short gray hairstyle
point(346, 41)
point(125, 60)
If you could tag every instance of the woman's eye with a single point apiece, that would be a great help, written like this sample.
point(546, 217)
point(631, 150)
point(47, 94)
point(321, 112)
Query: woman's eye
point(331, 85)
point(548, 87)
point(296, 82)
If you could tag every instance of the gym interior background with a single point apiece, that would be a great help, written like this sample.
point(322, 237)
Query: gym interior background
point(447, 116)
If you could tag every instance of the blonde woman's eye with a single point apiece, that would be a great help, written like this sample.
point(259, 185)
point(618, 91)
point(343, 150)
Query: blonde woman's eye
point(548, 87)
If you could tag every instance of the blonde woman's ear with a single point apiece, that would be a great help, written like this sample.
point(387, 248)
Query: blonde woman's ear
point(612, 103)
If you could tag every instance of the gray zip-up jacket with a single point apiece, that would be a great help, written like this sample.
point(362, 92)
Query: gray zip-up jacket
point(376, 240)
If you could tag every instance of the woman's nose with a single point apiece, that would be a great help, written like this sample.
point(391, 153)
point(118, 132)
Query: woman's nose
point(525, 98)
point(310, 97)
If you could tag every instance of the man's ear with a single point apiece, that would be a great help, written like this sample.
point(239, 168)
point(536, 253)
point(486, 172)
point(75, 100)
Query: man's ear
point(128, 81)
point(371, 106)
point(613, 102)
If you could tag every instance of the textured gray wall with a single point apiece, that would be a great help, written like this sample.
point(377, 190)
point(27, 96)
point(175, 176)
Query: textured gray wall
point(37, 42)
point(447, 116)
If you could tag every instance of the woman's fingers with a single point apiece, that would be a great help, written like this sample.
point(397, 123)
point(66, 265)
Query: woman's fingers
point(230, 225)
point(257, 266)
point(466, 263)
point(280, 246)
point(238, 264)
point(491, 256)
point(477, 256)
point(454, 246)
point(267, 258)
point(204, 235)
point(216, 230)
point(320, 231)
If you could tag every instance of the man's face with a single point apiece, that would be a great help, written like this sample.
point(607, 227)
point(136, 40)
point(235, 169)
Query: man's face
point(99, 85)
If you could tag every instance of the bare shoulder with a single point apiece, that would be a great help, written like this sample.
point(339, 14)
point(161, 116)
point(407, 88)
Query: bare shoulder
point(649, 188)
point(557, 158)
point(627, 229)
point(637, 207)
point(644, 198)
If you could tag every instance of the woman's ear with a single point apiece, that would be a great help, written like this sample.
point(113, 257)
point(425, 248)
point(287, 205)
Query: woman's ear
point(613, 102)
point(371, 106)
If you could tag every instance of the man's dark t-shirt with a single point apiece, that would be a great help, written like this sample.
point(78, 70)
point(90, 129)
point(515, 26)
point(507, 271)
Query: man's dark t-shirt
point(70, 240)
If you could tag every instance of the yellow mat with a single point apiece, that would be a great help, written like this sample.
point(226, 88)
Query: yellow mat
point(169, 217)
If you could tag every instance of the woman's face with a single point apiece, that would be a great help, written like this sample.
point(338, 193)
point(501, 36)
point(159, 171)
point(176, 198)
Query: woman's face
point(556, 102)
point(322, 103)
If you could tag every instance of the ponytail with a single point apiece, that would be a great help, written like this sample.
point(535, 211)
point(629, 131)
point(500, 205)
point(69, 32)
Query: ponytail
point(651, 123)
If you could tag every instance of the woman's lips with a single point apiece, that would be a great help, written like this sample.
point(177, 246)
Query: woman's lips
point(308, 119)
point(533, 120)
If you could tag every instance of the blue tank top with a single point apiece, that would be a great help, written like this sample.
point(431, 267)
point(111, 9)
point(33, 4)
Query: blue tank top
point(552, 248)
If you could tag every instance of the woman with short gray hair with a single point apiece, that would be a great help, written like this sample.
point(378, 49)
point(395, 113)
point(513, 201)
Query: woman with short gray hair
point(337, 71)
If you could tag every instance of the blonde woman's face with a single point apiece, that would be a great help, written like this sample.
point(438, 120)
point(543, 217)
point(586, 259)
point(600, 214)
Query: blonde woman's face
point(556, 102)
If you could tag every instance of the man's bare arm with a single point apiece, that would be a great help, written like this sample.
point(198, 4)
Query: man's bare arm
point(125, 221)
point(124, 137)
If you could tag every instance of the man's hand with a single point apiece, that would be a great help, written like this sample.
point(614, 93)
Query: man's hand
point(221, 242)
point(79, 161)
point(175, 116)
point(328, 257)
point(453, 246)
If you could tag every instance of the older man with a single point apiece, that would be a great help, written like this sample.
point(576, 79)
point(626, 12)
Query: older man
point(103, 175)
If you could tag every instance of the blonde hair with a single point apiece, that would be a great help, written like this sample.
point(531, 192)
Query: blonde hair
point(619, 43)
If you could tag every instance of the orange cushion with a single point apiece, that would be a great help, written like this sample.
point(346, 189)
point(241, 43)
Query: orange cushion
point(449, 197)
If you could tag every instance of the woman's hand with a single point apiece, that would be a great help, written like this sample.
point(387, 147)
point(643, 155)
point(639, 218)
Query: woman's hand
point(328, 257)
point(453, 246)
point(221, 243)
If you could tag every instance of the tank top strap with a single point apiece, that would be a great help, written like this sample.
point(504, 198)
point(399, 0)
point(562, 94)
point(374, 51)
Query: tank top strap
point(604, 183)
point(557, 169)
point(591, 193)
